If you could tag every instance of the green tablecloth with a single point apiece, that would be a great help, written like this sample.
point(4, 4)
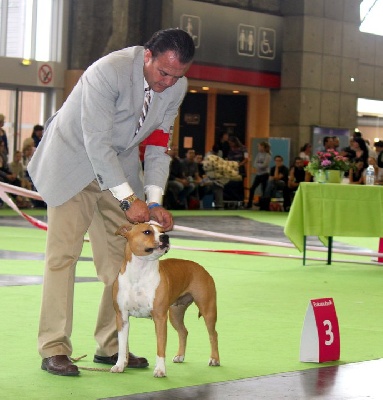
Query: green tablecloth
point(329, 209)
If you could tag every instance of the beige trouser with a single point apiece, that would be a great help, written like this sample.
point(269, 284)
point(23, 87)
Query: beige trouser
point(97, 212)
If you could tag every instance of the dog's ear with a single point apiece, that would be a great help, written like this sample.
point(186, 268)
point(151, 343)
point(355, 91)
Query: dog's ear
point(124, 230)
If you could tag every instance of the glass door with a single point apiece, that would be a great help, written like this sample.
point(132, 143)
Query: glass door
point(22, 110)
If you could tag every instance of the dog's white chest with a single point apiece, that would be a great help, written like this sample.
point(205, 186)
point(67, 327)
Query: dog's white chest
point(137, 287)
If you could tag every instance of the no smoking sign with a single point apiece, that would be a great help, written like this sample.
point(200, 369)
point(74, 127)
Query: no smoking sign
point(45, 74)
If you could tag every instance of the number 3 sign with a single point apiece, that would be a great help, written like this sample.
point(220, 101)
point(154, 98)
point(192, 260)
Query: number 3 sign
point(320, 341)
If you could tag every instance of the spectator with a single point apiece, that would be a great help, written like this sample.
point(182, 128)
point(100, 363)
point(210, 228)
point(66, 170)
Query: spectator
point(356, 175)
point(379, 160)
point(328, 142)
point(190, 167)
point(3, 135)
point(361, 150)
point(235, 190)
point(305, 153)
point(262, 166)
point(37, 134)
point(223, 145)
point(179, 186)
point(297, 174)
point(7, 176)
point(17, 168)
point(278, 179)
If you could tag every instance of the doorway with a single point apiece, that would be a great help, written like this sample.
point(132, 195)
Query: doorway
point(23, 110)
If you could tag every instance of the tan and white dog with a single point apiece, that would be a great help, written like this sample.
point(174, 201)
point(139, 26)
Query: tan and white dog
point(149, 288)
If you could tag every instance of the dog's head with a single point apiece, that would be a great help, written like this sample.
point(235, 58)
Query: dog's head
point(146, 239)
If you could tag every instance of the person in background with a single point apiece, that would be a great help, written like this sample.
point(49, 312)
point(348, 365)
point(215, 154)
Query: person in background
point(190, 167)
point(379, 160)
point(278, 179)
point(179, 187)
point(3, 135)
point(261, 165)
point(305, 153)
point(361, 150)
point(223, 145)
point(19, 169)
point(37, 134)
point(87, 169)
point(336, 143)
point(297, 174)
point(356, 175)
point(238, 153)
point(328, 143)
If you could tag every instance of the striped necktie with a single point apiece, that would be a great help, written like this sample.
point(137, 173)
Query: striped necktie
point(144, 109)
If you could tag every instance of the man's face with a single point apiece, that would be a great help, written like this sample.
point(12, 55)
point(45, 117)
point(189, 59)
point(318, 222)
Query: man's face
point(163, 71)
point(190, 155)
point(329, 144)
point(278, 161)
point(299, 163)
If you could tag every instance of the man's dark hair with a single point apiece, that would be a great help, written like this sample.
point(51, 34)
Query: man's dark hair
point(326, 139)
point(172, 39)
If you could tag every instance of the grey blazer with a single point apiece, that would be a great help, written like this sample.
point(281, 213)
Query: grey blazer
point(92, 136)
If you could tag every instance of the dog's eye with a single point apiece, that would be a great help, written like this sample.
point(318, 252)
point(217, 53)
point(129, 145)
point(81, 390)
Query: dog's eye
point(147, 232)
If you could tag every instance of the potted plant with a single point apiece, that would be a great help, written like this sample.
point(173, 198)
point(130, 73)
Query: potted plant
point(323, 163)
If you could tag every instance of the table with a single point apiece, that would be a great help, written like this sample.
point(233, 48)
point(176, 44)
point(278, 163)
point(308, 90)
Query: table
point(329, 209)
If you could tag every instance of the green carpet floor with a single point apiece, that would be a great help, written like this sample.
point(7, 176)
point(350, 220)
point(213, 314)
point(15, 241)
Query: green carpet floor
point(262, 303)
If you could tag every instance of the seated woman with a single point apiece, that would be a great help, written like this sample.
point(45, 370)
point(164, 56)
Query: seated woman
point(356, 176)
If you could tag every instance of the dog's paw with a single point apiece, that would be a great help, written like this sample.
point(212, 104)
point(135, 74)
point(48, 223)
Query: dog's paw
point(158, 373)
point(178, 359)
point(117, 368)
point(213, 362)
point(160, 369)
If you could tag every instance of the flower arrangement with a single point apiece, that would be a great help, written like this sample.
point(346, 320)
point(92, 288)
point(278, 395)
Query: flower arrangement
point(329, 159)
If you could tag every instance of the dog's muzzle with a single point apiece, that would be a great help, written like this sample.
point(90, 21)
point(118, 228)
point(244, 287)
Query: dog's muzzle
point(164, 241)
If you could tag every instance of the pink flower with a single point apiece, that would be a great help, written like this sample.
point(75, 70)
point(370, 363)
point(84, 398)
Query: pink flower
point(325, 163)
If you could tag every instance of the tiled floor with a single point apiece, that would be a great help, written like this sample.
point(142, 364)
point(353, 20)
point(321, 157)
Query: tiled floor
point(346, 382)
point(351, 381)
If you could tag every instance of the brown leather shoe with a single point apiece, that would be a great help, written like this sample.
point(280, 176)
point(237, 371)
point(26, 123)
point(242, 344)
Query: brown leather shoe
point(59, 365)
point(133, 362)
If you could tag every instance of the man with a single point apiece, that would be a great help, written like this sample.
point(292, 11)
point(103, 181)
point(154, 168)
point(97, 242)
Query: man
point(279, 175)
point(179, 186)
point(87, 169)
point(3, 135)
point(328, 142)
point(297, 174)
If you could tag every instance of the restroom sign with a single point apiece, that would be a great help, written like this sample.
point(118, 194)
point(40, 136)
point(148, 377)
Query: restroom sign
point(320, 340)
point(45, 74)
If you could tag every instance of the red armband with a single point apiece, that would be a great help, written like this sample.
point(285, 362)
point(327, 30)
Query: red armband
point(157, 138)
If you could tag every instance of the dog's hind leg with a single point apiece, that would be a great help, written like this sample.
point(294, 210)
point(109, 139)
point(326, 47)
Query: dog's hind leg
point(208, 310)
point(176, 316)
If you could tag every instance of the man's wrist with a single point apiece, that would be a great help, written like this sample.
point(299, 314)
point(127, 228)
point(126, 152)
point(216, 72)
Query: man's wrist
point(153, 205)
point(127, 202)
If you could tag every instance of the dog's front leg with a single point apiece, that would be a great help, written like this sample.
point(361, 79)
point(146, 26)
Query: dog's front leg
point(160, 322)
point(123, 334)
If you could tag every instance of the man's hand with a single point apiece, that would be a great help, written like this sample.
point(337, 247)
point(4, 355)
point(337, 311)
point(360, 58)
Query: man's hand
point(137, 212)
point(162, 216)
